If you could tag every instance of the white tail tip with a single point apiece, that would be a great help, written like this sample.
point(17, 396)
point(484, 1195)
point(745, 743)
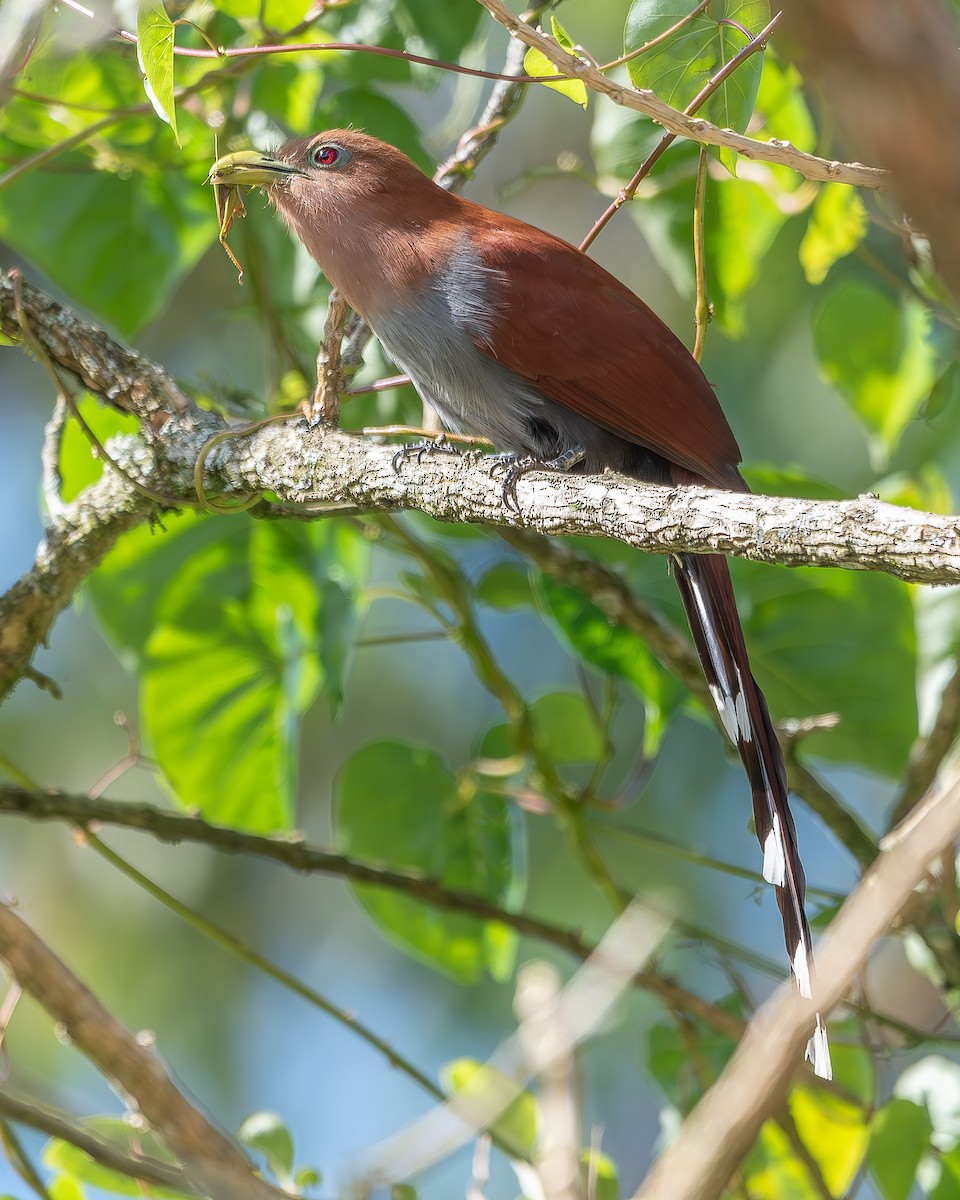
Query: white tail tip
point(774, 856)
point(818, 1051)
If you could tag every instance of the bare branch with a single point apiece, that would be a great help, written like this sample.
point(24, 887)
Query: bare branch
point(695, 128)
point(698, 1164)
point(174, 828)
point(59, 1125)
point(211, 1161)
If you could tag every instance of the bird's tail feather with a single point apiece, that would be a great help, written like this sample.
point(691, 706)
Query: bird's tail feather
point(707, 594)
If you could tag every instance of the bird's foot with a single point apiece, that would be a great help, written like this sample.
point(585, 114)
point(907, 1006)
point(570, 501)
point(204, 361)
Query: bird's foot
point(515, 467)
point(435, 445)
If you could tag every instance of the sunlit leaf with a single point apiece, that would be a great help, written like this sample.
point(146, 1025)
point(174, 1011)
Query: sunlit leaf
point(834, 1131)
point(678, 68)
point(506, 586)
point(741, 221)
point(155, 33)
point(874, 350)
point(772, 1170)
point(79, 1168)
point(837, 225)
point(537, 64)
point(489, 1090)
point(267, 1133)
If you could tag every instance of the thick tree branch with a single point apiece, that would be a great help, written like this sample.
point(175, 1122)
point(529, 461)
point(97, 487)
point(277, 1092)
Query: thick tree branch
point(698, 1163)
point(210, 1160)
point(76, 541)
point(321, 471)
point(695, 128)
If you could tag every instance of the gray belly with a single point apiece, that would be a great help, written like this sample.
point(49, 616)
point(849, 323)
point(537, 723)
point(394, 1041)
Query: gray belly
point(472, 393)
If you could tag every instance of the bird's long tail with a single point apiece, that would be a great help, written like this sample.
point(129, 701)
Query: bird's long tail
point(707, 594)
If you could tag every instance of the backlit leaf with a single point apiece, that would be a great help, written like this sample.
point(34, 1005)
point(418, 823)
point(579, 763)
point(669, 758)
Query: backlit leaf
point(678, 68)
point(155, 55)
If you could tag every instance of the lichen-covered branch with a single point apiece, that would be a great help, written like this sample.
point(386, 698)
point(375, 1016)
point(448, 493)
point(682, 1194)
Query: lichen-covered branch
point(320, 471)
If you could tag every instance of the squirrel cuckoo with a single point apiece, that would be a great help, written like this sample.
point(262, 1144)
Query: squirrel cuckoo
point(512, 334)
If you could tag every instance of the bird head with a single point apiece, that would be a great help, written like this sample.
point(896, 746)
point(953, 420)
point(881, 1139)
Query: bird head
point(328, 172)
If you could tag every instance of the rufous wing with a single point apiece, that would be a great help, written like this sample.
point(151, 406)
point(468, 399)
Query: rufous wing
point(586, 341)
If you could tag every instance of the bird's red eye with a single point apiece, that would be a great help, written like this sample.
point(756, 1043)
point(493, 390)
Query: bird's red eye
point(328, 155)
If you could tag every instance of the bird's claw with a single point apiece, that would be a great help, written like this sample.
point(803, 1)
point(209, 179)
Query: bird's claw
point(513, 468)
point(437, 445)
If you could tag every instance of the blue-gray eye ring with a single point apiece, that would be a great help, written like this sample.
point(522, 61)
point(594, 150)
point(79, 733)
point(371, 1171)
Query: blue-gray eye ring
point(329, 155)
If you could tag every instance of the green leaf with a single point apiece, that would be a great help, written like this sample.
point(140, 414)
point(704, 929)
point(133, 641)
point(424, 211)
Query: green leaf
point(128, 586)
point(875, 352)
point(267, 1133)
point(813, 636)
point(399, 805)
point(899, 1138)
point(853, 1064)
point(678, 68)
point(119, 244)
point(599, 1178)
point(227, 674)
point(155, 55)
point(944, 394)
point(837, 225)
point(619, 652)
point(772, 1170)
point(437, 30)
point(80, 464)
point(947, 1186)
point(834, 1131)
point(742, 220)
point(289, 91)
point(65, 1187)
point(668, 1057)
point(567, 728)
point(234, 626)
point(934, 1083)
point(79, 1168)
point(782, 109)
point(367, 109)
point(492, 1091)
point(506, 586)
point(536, 64)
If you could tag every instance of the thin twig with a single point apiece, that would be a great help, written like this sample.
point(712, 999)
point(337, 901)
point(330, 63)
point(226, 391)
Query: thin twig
point(695, 128)
point(701, 311)
point(56, 1124)
point(716, 81)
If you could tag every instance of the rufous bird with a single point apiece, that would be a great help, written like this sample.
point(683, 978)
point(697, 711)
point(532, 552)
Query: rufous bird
point(512, 334)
